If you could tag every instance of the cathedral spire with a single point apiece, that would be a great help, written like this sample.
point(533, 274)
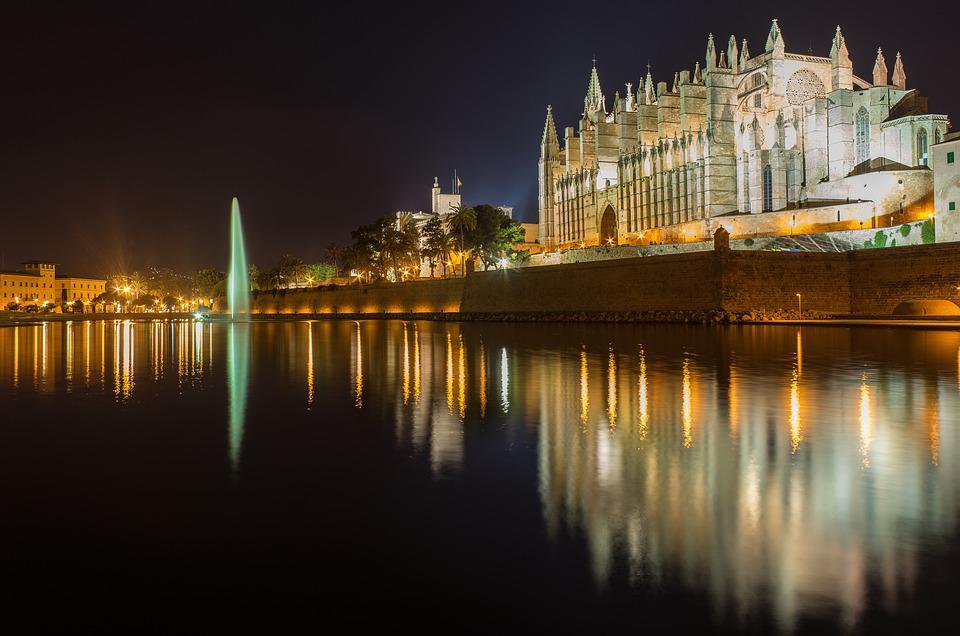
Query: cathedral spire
point(711, 53)
point(697, 75)
point(648, 91)
point(594, 100)
point(549, 139)
point(775, 39)
point(880, 70)
point(733, 56)
point(676, 83)
point(899, 75)
point(744, 54)
point(842, 75)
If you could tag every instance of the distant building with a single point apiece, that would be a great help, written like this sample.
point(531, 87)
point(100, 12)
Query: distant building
point(36, 283)
point(946, 187)
point(442, 204)
point(750, 138)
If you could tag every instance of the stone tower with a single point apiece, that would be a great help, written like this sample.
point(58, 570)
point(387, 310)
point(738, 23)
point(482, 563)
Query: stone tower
point(549, 169)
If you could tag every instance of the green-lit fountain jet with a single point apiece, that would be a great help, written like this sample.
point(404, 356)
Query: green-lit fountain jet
point(238, 286)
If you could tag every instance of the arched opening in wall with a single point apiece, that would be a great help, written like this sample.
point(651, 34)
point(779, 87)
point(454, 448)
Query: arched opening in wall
point(608, 227)
point(767, 188)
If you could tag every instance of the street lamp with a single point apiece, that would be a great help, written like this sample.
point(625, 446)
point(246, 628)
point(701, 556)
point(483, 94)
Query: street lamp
point(800, 305)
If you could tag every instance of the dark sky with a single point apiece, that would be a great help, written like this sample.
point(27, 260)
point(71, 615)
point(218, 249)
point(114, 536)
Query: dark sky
point(129, 126)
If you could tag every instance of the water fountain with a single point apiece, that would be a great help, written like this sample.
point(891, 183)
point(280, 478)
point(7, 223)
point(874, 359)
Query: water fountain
point(238, 377)
point(238, 338)
point(238, 284)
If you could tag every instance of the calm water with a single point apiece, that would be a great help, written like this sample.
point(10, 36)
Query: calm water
point(178, 475)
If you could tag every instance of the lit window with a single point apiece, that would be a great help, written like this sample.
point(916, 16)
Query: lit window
point(863, 136)
point(767, 188)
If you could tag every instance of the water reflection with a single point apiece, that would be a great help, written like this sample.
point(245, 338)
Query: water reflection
point(238, 377)
point(770, 469)
point(765, 468)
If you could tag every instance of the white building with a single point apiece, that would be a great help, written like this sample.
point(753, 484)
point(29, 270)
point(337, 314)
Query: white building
point(946, 187)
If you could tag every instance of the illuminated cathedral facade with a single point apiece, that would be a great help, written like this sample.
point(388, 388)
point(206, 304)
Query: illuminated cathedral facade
point(740, 136)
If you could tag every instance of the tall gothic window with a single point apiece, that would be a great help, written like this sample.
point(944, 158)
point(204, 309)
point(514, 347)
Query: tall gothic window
point(863, 136)
point(767, 188)
point(746, 184)
point(922, 147)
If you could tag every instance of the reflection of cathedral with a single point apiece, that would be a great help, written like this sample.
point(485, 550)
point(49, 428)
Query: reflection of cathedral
point(743, 134)
point(759, 466)
point(784, 484)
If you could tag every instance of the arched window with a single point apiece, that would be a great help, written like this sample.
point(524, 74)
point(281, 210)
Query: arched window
point(922, 147)
point(863, 136)
point(767, 188)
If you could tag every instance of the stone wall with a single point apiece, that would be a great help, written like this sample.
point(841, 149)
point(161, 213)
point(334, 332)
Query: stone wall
point(882, 279)
point(768, 282)
point(423, 297)
point(684, 282)
point(687, 286)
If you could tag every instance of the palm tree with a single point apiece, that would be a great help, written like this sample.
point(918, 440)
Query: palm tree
point(290, 268)
point(462, 220)
point(334, 253)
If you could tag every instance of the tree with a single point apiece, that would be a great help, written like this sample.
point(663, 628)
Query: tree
point(208, 283)
point(406, 244)
point(436, 243)
point(462, 220)
point(372, 245)
point(171, 302)
point(493, 235)
point(335, 255)
point(358, 260)
point(289, 270)
point(319, 272)
point(253, 277)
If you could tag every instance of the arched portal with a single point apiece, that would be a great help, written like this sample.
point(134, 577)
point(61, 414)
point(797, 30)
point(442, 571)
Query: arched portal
point(608, 227)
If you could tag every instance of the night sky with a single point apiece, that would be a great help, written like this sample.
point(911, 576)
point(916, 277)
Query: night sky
point(129, 126)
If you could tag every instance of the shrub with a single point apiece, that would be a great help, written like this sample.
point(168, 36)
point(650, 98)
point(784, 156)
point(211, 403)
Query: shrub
point(905, 229)
point(927, 232)
point(880, 240)
point(748, 242)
